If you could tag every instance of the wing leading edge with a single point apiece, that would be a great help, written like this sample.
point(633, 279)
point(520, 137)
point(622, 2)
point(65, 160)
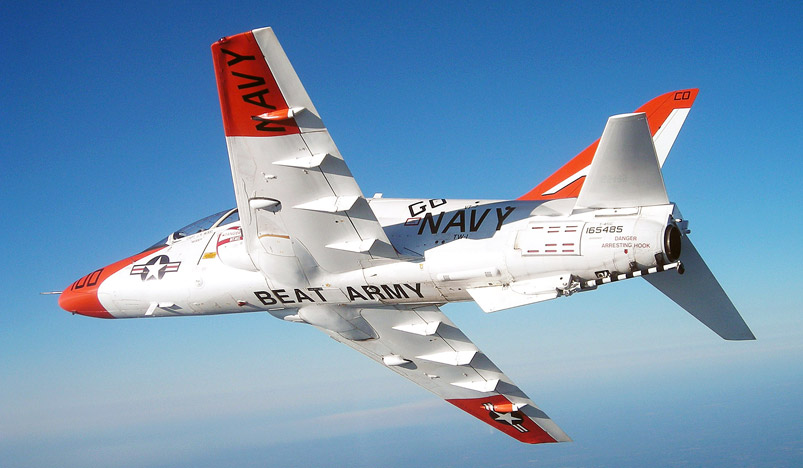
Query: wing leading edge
point(423, 345)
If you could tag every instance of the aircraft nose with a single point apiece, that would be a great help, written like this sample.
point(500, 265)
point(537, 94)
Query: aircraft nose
point(81, 297)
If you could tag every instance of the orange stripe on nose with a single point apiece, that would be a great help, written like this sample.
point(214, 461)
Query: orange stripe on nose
point(81, 297)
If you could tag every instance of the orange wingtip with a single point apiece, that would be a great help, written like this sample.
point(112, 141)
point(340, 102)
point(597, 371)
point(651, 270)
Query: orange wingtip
point(247, 88)
point(500, 413)
point(566, 183)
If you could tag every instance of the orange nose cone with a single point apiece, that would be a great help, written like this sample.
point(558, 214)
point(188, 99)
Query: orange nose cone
point(81, 297)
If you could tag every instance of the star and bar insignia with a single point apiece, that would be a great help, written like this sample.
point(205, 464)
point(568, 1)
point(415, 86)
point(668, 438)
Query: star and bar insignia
point(511, 418)
point(155, 268)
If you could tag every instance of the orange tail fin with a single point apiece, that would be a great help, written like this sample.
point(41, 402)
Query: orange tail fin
point(665, 115)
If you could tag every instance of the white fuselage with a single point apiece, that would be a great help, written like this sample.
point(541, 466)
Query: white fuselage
point(450, 250)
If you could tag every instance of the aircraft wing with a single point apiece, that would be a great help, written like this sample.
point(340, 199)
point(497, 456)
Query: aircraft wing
point(423, 345)
point(295, 195)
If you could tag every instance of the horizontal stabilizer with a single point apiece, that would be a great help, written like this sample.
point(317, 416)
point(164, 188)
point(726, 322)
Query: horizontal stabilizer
point(697, 291)
point(665, 114)
point(625, 170)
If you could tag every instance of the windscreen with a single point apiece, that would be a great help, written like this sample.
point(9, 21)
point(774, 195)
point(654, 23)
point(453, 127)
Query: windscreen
point(198, 226)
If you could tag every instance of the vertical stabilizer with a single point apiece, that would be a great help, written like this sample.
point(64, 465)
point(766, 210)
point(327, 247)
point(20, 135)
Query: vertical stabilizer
point(665, 113)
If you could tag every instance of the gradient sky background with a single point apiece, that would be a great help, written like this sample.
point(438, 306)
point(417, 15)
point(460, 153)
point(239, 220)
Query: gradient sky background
point(111, 138)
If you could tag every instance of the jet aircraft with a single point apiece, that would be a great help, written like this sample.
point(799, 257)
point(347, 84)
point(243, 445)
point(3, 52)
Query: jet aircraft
point(305, 244)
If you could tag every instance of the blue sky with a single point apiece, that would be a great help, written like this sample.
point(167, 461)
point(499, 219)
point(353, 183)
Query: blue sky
point(112, 137)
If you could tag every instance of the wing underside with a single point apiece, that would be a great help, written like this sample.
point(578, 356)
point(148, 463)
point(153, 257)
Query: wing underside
point(303, 214)
point(423, 345)
point(300, 207)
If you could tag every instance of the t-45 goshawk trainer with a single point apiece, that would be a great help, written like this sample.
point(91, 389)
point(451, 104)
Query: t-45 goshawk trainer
point(305, 245)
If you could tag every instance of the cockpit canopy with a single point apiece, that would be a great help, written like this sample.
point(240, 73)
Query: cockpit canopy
point(218, 219)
